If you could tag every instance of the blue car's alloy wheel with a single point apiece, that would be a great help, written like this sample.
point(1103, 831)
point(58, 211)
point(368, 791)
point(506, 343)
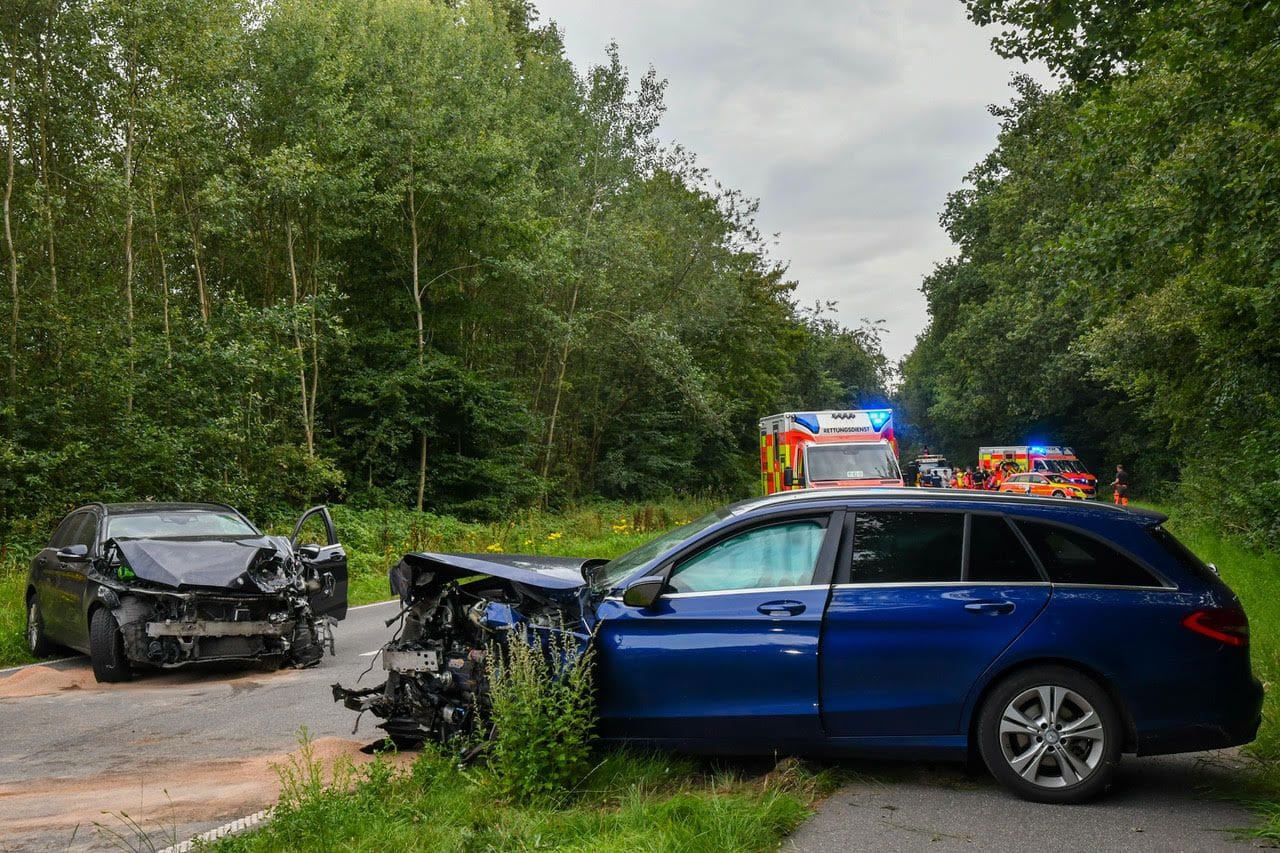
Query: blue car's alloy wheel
point(1050, 734)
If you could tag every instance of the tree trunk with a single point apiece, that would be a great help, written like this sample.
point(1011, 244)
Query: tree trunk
point(46, 171)
point(193, 227)
point(13, 251)
point(164, 276)
point(128, 228)
point(555, 405)
point(417, 316)
point(297, 340)
point(315, 340)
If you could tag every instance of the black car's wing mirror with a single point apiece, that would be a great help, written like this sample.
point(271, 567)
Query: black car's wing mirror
point(74, 553)
point(644, 592)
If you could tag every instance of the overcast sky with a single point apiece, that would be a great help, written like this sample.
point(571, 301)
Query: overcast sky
point(850, 121)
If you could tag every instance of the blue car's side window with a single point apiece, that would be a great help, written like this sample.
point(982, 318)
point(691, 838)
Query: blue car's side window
point(778, 555)
point(907, 547)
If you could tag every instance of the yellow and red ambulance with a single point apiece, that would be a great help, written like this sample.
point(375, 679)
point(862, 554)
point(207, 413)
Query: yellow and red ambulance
point(1040, 459)
point(817, 450)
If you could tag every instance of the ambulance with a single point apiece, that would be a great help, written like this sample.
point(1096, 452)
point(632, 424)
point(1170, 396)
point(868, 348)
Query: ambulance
point(1043, 459)
point(817, 450)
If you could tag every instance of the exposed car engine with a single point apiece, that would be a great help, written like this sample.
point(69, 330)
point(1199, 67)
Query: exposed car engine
point(437, 685)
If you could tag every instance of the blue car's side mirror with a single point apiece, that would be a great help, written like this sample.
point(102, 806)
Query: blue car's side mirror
point(644, 592)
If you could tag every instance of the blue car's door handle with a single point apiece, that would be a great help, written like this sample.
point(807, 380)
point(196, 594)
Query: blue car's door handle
point(995, 608)
point(781, 608)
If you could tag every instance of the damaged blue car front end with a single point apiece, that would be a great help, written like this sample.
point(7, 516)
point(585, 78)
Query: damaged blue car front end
point(455, 610)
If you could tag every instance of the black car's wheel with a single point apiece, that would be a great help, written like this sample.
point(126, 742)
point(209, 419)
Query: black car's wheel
point(106, 648)
point(1051, 735)
point(37, 642)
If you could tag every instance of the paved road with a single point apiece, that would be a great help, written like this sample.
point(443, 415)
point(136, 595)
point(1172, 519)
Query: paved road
point(180, 753)
point(177, 752)
point(1158, 804)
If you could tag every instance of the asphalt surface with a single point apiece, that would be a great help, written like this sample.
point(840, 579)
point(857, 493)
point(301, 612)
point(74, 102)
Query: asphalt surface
point(85, 739)
point(83, 765)
point(1165, 803)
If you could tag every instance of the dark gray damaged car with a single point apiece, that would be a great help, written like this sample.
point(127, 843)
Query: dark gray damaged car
point(168, 584)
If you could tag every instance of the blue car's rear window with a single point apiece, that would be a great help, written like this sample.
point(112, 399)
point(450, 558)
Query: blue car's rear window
point(1072, 557)
point(1186, 557)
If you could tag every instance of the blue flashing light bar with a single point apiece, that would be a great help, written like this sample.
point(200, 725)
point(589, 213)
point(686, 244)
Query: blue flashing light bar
point(879, 418)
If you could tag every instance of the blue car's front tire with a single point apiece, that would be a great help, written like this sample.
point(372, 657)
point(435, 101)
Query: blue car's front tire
point(1051, 735)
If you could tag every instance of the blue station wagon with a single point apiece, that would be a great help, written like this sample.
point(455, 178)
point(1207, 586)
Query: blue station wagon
point(1047, 636)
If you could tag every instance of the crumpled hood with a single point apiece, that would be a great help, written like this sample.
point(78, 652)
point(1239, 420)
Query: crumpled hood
point(197, 562)
point(553, 574)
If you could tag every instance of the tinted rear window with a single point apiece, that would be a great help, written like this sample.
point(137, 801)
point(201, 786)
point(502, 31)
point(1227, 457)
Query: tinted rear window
point(1185, 556)
point(907, 547)
point(996, 553)
point(1072, 557)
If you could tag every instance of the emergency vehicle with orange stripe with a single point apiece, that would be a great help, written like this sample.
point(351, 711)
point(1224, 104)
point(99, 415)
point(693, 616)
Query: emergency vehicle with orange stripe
point(819, 450)
point(1039, 459)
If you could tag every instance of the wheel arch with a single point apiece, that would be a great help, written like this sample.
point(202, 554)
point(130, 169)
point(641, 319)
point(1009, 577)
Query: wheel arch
point(94, 606)
point(1130, 743)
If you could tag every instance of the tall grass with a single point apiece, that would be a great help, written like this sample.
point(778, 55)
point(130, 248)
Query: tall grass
point(627, 802)
point(542, 688)
point(1255, 578)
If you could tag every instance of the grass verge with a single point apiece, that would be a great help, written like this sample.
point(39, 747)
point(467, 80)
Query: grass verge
point(627, 802)
point(376, 538)
point(1255, 578)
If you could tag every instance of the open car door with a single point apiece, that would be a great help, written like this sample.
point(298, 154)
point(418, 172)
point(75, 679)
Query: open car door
point(325, 562)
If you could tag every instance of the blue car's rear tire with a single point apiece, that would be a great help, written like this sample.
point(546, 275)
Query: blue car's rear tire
point(1051, 734)
point(106, 648)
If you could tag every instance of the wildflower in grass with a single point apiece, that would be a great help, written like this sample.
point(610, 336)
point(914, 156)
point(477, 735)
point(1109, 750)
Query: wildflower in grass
point(554, 535)
point(494, 548)
point(527, 542)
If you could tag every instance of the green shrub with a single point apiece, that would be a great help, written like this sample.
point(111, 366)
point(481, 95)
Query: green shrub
point(543, 713)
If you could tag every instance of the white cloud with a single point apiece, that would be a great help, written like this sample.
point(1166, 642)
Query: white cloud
point(850, 120)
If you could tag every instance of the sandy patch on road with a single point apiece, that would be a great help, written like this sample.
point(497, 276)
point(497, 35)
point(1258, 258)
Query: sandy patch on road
point(39, 680)
point(44, 680)
point(159, 797)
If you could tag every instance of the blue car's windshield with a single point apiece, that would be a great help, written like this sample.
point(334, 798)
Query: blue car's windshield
point(617, 569)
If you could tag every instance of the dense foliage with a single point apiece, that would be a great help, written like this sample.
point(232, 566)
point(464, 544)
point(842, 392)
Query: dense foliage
point(1117, 285)
point(394, 250)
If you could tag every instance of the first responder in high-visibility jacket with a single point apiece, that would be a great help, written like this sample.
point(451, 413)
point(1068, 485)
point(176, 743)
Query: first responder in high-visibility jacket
point(1121, 486)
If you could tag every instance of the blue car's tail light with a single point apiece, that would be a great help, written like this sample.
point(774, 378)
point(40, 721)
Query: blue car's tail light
point(1228, 625)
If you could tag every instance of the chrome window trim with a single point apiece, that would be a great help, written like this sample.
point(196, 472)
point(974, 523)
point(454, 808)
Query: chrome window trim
point(1006, 583)
point(905, 584)
point(705, 593)
point(916, 584)
point(1117, 586)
